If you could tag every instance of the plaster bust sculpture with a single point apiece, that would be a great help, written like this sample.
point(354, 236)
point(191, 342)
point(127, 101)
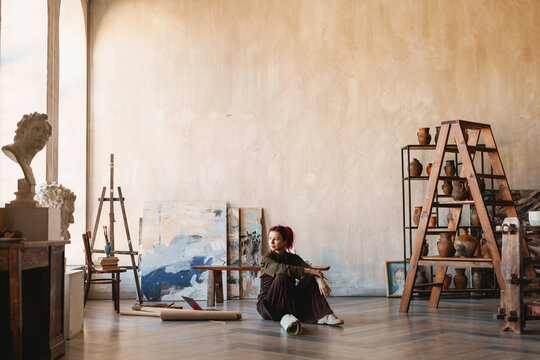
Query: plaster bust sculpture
point(57, 196)
point(31, 136)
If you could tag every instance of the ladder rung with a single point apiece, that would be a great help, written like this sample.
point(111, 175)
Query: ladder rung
point(467, 124)
point(452, 203)
point(437, 232)
point(455, 262)
point(472, 202)
point(491, 176)
point(114, 199)
point(481, 148)
point(427, 285)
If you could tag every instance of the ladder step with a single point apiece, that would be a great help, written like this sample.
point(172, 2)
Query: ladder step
point(114, 199)
point(467, 124)
point(427, 285)
point(491, 176)
point(480, 148)
point(450, 204)
point(441, 231)
point(455, 262)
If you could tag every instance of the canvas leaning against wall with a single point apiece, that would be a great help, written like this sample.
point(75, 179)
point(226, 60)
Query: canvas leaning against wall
point(175, 237)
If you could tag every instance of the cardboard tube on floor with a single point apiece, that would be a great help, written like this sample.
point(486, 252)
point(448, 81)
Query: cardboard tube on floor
point(199, 315)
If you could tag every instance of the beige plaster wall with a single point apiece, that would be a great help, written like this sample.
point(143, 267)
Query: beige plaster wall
point(301, 107)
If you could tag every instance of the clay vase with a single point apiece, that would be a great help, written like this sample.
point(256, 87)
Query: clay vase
point(459, 193)
point(415, 168)
point(475, 220)
point(428, 168)
point(416, 215)
point(437, 131)
point(425, 249)
point(447, 187)
point(477, 278)
point(445, 247)
point(465, 244)
point(432, 221)
point(420, 277)
point(447, 281)
point(484, 249)
point(450, 168)
point(481, 185)
point(460, 279)
point(424, 138)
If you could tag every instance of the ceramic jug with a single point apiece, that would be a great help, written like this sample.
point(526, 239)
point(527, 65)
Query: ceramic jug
point(445, 246)
point(424, 138)
point(415, 168)
point(447, 187)
point(416, 215)
point(460, 279)
point(437, 131)
point(450, 168)
point(459, 193)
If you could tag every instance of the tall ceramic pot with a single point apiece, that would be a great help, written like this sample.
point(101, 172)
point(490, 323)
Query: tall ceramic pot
point(425, 249)
point(460, 279)
point(424, 138)
point(465, 244)
point(477, 278)
point(447, 187)
point(459, 193)
point(420, 276)
point(445, 246)
point(450, 168)
point(415, 167)
point(416, 215)
point(437, 131)
point(428, 169)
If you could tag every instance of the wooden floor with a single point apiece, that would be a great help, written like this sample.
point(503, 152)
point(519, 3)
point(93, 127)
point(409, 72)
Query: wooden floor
point(374, 329)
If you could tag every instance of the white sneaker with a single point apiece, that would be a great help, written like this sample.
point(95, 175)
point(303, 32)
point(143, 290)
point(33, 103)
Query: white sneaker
point(330, 319)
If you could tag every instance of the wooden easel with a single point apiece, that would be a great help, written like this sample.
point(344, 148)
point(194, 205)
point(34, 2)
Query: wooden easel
point(111, 200)
point(466, 148)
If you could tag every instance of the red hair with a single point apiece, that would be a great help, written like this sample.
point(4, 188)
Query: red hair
point(286, 233)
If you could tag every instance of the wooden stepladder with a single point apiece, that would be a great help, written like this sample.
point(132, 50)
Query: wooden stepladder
point(112, 220)
point(466, 149)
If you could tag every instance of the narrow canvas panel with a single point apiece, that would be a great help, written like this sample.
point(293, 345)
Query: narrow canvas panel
point(250, 250)
point(233, 252)
point(176, 236)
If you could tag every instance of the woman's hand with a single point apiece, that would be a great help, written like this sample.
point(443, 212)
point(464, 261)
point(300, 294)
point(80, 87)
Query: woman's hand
point(315, 272)
point(323, 286)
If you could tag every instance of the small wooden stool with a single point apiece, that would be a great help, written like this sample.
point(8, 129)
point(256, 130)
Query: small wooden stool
point(215, 282)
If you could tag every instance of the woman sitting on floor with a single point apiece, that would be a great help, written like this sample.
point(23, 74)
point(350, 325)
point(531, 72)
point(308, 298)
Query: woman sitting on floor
point(279, 293)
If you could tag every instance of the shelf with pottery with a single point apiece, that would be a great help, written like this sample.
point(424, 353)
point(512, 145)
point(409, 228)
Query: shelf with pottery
point(466, 189)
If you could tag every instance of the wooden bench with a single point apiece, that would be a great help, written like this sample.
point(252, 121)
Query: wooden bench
point(215, 282)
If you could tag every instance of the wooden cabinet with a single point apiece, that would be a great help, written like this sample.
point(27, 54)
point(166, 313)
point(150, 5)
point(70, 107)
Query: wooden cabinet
point(32, 299)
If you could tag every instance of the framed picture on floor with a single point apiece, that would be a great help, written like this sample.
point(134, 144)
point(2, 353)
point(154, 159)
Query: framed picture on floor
point(395, 278)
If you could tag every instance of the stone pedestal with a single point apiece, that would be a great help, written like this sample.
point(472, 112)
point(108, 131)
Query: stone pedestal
point(24, 197)
point(36, 224)
point(73, 303)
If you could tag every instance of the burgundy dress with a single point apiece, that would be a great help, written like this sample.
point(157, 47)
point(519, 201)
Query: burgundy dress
point(281, 295)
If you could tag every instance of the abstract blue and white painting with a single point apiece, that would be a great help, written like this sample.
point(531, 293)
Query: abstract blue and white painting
point(175, 237)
